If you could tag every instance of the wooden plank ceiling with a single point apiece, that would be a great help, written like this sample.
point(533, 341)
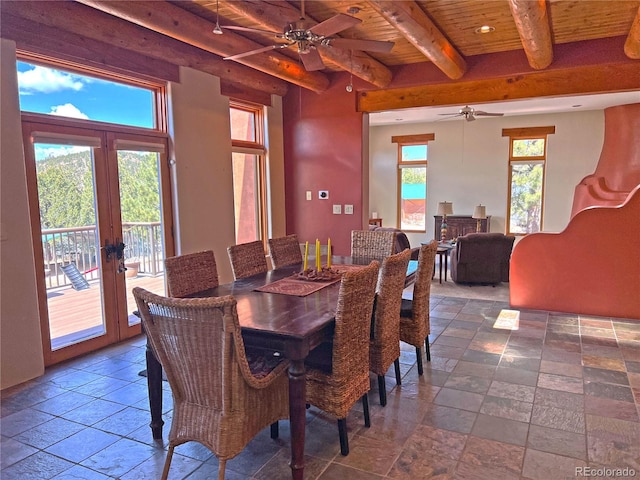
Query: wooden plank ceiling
point(438, 32)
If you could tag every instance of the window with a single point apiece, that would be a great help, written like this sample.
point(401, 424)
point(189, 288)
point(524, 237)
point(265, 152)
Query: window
point(64, 92)
point(412, 181)
point(248, 157)
point(527, 158)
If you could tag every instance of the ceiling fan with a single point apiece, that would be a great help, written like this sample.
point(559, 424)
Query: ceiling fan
point(307, 39)
point(470, 113)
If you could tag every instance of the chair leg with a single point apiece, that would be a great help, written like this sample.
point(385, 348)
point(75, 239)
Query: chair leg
point(382, 387)
point(365, 410)
point(167, 463)
point(419, 360)
point(396, 365)
point(275, 430)
point(344, 439)
point(426, 346)
point(222, 466)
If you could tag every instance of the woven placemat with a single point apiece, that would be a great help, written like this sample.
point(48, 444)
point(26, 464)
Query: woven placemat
point(295, 287)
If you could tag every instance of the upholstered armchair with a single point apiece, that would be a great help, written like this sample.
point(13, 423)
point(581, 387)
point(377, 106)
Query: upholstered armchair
point(481, 258)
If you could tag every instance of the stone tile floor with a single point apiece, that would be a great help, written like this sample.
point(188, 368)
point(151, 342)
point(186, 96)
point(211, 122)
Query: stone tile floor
point(559, 393)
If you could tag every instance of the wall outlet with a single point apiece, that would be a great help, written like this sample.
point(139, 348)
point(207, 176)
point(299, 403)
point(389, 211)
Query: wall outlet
point(323, 194)
point(308, 194)
point(348, 209)
point(337, 209)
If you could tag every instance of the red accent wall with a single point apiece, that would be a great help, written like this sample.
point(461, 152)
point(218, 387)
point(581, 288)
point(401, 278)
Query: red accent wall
point(323, 150)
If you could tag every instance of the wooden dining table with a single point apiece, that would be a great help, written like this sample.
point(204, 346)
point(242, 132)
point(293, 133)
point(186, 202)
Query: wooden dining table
point(290, 324)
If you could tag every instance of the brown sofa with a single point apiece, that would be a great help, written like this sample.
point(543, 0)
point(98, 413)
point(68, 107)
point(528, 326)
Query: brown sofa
point(402, 242)
point(481, 258)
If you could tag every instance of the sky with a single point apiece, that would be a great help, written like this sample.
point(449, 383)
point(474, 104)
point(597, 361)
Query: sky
point(55, 92)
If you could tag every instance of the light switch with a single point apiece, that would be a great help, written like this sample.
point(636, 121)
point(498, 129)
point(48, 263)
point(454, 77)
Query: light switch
point(308, 194)
point(337, 209)
point(348, 209)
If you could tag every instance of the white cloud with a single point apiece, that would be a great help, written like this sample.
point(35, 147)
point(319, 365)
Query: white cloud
point(46, 80)
point(68, 110)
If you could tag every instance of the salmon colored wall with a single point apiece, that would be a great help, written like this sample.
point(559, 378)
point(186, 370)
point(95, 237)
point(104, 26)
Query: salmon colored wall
point(323, 151)
point(618, 169)
point(592, 267)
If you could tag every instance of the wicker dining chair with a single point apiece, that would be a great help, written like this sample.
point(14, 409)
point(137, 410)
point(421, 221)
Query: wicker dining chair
point(247, 259)
point(384, 349)
point(338, 371)
point(219, 399)
point(191, 273)
point(285, 251)
point(414, 313)
point(372, 244)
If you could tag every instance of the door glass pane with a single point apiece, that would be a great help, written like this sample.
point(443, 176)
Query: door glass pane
point(413, 198)
point(246, 195)
point(67, 199)
point(142, 228)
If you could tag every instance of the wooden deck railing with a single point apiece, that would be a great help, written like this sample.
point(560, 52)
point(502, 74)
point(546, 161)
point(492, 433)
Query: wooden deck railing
point(61, 246)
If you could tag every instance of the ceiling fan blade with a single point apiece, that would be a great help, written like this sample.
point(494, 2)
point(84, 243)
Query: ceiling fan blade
point(487, 114)
point(334, 25)
point(311, 60)
point(258, 50)
point(452, 114)
point(358, 44)
point(252, 30)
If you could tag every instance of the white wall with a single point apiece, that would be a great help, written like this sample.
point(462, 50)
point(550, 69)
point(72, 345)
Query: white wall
point(21, 356)
point(468, 165)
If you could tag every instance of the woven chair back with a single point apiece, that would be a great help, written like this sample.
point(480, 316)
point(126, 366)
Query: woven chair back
point(191, 273)
point(372, 244)
point(247, 259)
point(385, 331)
point(350, 357)
point(285, 251)
point(422, 286)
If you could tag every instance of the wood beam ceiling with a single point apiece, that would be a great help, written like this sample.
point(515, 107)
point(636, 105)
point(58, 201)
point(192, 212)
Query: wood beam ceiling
point(177, 23)
point(409, 19)
point(532, 22)
point(632, 45)
point(113, 32)
point(548, 83)
point(274, 16)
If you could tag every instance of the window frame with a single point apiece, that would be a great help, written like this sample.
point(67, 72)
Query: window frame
point(407, 141)
point(532, 133)
point(258, 149)
point(159, 90)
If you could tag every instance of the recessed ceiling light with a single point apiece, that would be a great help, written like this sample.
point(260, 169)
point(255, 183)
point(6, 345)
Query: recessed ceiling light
point(485, 29)
point(353, 10)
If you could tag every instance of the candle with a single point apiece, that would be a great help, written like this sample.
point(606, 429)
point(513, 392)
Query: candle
point(306, 256)
point(329, 253)
point(318, 265)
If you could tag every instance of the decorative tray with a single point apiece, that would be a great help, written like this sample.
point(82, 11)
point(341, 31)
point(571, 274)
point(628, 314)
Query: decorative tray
point(324, 275)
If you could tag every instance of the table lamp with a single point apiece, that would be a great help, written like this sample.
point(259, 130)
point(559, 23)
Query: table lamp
point(444, 209)
point(479, 213)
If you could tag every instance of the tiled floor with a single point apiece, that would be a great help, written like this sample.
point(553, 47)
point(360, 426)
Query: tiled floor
point(561, 392)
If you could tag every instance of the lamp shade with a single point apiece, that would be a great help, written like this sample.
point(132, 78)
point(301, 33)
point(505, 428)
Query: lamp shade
point(445, 208)
point(480, 212)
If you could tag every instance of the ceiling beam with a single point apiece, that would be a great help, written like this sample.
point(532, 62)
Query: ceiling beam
point(589, 79)
point(632, 45)
point(182, 25)
point(275, 16)
point(532, 23)
point(113, 32)
point(409, 19)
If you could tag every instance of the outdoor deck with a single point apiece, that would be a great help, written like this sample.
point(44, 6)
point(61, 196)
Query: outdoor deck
point(73, 311)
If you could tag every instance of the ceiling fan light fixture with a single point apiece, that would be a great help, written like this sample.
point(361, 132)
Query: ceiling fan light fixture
point(217, 30)
point(485, 29)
